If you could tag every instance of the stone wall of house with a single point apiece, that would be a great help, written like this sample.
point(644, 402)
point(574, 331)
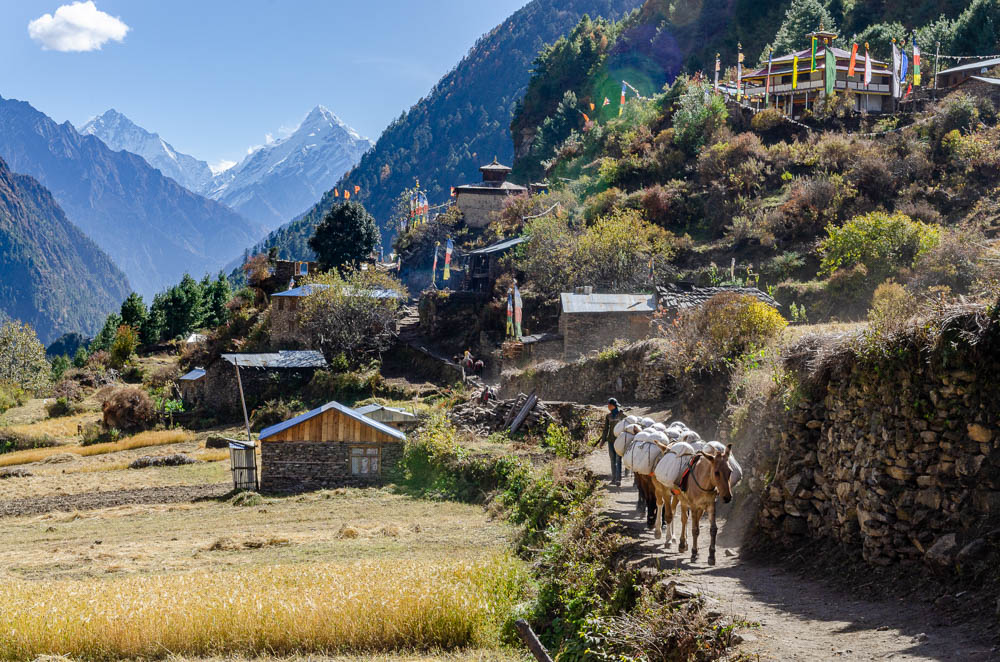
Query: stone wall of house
point(896, 459)
point(286, 333)
point(477, 208)
point(220, 394)
point(296, 466)
point(585, 333)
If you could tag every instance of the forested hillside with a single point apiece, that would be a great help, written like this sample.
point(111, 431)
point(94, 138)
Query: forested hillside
point(54, 277)
point(461, 124)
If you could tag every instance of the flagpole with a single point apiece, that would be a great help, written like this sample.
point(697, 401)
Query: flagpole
point(937, 55)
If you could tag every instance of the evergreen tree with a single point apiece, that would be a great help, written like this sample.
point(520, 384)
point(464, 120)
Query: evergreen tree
point(976, 30)
point(184, 307)
point(134, 311)
point(80, 358)
point(217, 295)
point(156, 323)
point(106, 336)
point(941, 31)
point(346, 237)
point(802, 17)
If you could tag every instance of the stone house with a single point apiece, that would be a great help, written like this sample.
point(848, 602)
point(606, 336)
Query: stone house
point(285, 329)
point(191, 386)
point(264, 376)
point(478, 201)
point(484, 264)
point(331, 446)
point(591, 321)
point(957, 75)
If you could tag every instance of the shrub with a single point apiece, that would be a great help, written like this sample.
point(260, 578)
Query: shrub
point(737, 164)
point(699, 116)
point(99, 360)
point(273, 412)
point(954, 262)
point(892, 307)
point(767, 119)
point(174, 460)
point(130, 410)
point(872, 175)
point(68, 389)
point(879, 241)
point(812, 204)
point(11, 395)
point(558, 439)
point(124, 345)
point(133, 374)
point(22, 357)
point(162, 376)
point(785, 265)
point(60, 407)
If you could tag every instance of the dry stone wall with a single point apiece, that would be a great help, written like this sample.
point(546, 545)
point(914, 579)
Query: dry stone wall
point(896, 458)
point(296, 466)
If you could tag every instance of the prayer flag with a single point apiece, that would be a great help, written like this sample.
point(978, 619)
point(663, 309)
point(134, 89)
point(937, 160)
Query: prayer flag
point(895, 70)
point(453, 191)
point(585, 117)
point(813, 65)
point(592, 107)
point(607, 102)
point(829, 69)
point(854, 60)
point(434, 267)
point(718, 65)
point(767, 83)
point(518, 312)
point(904, 66)
point(795, 72)
point(621, 106)
point(510, 311)
point(868, 66)
point(357, 189)
point(447, 258)
point(336, 193)
point(347, 195)
point(916, 64)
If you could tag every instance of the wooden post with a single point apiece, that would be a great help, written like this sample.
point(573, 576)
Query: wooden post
point(243, 401)
point(531, 641)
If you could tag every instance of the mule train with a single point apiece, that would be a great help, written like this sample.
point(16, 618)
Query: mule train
point(673, 466)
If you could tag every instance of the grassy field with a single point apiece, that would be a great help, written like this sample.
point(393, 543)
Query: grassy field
point(141, 440)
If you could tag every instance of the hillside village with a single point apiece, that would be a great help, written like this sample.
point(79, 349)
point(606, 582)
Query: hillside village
point(706, 372)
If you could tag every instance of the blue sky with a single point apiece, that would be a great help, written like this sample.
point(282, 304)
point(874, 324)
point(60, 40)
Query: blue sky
point(213, 77)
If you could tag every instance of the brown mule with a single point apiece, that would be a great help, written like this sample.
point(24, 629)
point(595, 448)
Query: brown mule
point(708, 478)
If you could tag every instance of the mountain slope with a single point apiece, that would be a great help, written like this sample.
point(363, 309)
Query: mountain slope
point(284, 178)
point(54, 277)
point(151, 226)
point(461, 124)
point(120, 133)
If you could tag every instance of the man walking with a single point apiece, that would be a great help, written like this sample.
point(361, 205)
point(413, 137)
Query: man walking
point(608, 437)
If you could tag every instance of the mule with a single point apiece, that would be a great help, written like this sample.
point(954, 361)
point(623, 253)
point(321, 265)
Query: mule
point(708, 478)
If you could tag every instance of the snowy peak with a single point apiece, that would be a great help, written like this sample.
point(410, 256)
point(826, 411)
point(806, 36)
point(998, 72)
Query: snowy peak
point(120, 133)
point(283, 178)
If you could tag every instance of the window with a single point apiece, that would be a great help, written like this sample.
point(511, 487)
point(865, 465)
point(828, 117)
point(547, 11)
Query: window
point(365, 461)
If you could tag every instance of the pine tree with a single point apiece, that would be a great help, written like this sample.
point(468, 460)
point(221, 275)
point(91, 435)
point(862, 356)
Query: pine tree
point(134, 311)
point(802, 17)
point(156, 322)
point(346, 237)
point(217, 295)
point(106, 336)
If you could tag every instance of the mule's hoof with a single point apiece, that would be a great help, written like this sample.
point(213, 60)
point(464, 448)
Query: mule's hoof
point(694, 558)
point(711, 560)
point(682, 547)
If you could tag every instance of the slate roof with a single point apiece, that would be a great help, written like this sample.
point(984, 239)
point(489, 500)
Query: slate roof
point(678, 296)
point(574, 304)
point(283, 360)
point(369, 409)
point(984, 79)
point(306, 290)
point(496, 166)
point(192, 376)
point(992, 62)
point(500, 247)
point(347, 411)
point(482, 187)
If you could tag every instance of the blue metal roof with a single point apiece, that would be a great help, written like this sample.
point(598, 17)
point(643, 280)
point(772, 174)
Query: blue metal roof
point(194, 375)
point(306, 290)
point(607, 303)
point(502, 246)
point(283, 360)
point(347, 411)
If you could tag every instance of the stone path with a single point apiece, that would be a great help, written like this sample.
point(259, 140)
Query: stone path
point(791, 619)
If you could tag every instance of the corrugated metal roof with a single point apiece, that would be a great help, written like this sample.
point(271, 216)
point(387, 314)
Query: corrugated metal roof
point(608, 303)
point(372, 408)
point(992, 62)
point(283, 360)
point(481, 187)
point(306, 290)
point(347, 411)
point(678, 296)
point(501, 246)
point(194, 375)
point(984, 79)
point(541, 337)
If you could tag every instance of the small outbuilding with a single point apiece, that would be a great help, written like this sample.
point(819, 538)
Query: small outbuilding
point(394, 417)
point(959, 74)
point(590, 321)
point(330, 446)
point(192, 386)
point(264, 377)
point(478, 201)
point(484, 264)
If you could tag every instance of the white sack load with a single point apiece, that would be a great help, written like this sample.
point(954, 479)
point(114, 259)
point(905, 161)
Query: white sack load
point(737, 475)
point(628, 420)
point(674, 433)
point(678, 424)
point(690, 437)
point(642, 456)
point(625, 439)
point(660, 427)
point(647, 423)
point(673, 463)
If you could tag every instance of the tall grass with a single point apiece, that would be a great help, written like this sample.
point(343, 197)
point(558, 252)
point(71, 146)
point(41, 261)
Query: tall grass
point(62, 427)
point(366, 606)
point(141, 440)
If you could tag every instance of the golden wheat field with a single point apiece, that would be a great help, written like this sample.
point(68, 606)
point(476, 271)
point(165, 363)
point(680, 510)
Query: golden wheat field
point(274, 610)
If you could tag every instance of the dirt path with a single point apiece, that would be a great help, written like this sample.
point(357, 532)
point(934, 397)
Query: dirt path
point(110, 498)
point(800, 619)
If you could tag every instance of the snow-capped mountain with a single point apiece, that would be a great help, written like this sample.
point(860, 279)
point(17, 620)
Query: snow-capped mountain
point(282, 179)
point(120, 133)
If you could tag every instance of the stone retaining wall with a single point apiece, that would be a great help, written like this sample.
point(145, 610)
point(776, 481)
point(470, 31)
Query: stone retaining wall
point(297, 466)
point(897, 459)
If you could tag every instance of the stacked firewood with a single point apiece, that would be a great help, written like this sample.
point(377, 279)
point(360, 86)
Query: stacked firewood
point(498, 415)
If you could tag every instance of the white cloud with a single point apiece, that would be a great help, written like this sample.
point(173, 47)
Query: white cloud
point(221, 166)
point(268, 139)
point(79, 26)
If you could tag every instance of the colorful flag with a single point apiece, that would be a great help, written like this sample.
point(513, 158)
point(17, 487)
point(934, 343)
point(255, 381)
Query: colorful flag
point(868, 67)
point(592, 106)
point(812, 67)
point(795, 72)
point(829, 69)
point(449, 247)
point(895, 70)
point(434, 267)
point(718, 65)
point(357, 189)
point(586, 119)
point(607, 102)
point(767, 84)
point(854, 60)
point(347, 195)
point(336, 193)
point(904, 66)
point(510, 311)
point(916, 64)
point(453, 191)
point(621, 106)
point(518, 312)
